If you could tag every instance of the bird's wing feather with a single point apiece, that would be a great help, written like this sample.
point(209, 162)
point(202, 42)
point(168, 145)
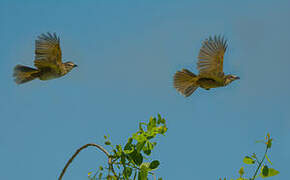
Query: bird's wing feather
point(48, 52)
point(211, 56)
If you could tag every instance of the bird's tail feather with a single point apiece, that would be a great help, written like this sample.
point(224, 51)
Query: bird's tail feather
point(185, 82)
point(23, 74)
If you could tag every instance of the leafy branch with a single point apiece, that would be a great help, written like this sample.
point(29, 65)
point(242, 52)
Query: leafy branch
point(82, 148)
point(262, 167)
point(129, 158)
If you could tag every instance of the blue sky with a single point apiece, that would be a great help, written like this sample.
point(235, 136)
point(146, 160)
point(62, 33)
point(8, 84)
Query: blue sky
point(127, 52)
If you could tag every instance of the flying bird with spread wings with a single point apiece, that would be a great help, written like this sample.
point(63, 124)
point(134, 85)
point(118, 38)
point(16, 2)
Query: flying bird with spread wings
point(48, 61)
point(210, 66)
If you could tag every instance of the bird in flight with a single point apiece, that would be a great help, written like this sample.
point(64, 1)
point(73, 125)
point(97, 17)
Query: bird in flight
point(48, 61)
point(210, 66)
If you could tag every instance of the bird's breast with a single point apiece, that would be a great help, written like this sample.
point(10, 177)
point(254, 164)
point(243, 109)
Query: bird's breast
point(47, 74)
point(208, 83)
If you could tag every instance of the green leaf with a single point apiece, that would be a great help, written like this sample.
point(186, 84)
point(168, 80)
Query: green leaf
point(140, 127)
point(161, 120)
point(151, 134)
point(260, 141)
point(151, 124)
point(129, 147)
point(107, 143)
point(139, 137)
point(268, 172)
point(142, 123)
point(129, 150)
point(241, 171)
point(100, 175)
point(140, 145)
point(273, 172)
point(136, 157)
point(162, 129)
point(129, 142)
point(248, 160)
point(254, 156)
point(135, 136)
point(101, 168)
point(143, 173)
point(268, 159)
point(119, 148)
point(127, 172)
point(265, 171)
point(148, 147)
point(123, 159)
point(159, 178)
point(145, 166)
point(147, 152)
point(159, 116)
point(154, 164)
point(109, 177)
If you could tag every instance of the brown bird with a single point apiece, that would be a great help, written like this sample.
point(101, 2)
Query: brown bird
point(47, 61)
point(210, 66)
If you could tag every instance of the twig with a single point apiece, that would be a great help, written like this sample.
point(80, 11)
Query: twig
point(260, 163)
point(79, 150)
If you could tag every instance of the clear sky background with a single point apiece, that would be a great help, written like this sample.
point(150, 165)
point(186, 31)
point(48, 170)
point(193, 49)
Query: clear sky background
point(127, 52)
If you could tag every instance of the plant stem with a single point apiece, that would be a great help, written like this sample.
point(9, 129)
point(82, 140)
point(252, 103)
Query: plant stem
point(135, 167)
point(260, 163)
point(79, 150)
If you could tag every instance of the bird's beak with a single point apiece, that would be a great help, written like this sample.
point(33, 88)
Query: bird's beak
point(75, 65)
point(237, 77)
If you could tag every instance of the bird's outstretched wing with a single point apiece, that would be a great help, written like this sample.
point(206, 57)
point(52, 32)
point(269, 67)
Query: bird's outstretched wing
point(211, 56)
point(48, 52)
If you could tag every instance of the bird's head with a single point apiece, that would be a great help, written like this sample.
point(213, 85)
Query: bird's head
point(69, 66)
point(230, 78)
